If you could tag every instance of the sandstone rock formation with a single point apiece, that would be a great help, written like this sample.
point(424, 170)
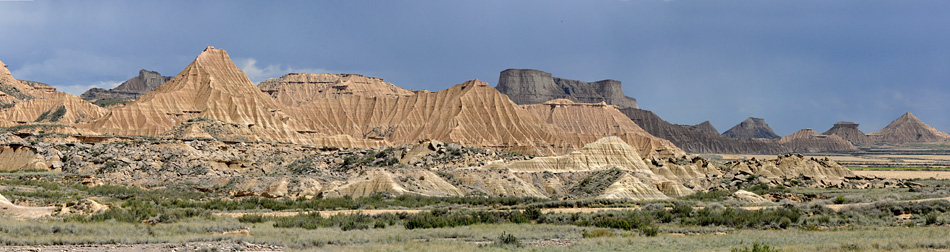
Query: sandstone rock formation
point(527, 86)
point(211, 87)
point(807, 140)
point(470, 114)
point(29, 102)
point(587, 122)
point(752, 127)
point(811, 171)
point(12, 90)
point(908, 129)
point(849, 131)
point(132, 88)
point(636, 180)
point(603, 154)
point(23, 212)
point(298, 88)
point(17, 158)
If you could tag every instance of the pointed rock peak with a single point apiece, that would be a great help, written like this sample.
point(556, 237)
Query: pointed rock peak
point(908, 117)
point(475, 83)
point(706, 127)
point(210, 53)
point(908, 128)
point(751, 127)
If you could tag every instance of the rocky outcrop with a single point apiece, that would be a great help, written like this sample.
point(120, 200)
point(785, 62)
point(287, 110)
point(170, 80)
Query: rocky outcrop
point(849, 131)
point(298, 88)
point(604, 154)
point(751, 128)
point(527, 86)
point(17, 158)
point(634, 179)
point(807, 140)
point(908, 129)
point(133, 88)
point(791, 166)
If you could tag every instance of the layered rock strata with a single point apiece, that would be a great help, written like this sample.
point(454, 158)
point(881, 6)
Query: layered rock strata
point(299, 88)
point(528, 86)
point(908, 129)
point(751, 127)
point(28, 102)
point(807, 140)
point(699, 138)
point(849, 131)
point(211, 87)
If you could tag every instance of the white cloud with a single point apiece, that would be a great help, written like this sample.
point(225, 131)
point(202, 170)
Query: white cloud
point(79, 89)
point(258, 74)
point(66, 64)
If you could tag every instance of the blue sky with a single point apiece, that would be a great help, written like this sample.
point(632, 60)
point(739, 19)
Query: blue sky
point(798, 64)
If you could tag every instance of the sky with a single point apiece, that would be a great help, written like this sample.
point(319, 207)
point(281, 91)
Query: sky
point(797, 64)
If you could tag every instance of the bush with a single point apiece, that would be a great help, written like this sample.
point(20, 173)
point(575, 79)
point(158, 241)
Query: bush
point(251, 218)
point(598, 233)
point(507, 239)
point(840, 200)
point(650, 231)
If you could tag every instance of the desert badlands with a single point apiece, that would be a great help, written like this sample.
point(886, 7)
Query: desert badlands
point(209, 160)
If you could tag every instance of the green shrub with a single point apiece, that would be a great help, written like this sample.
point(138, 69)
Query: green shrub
point(840, 200)
point(598, 233)
point(507, 239)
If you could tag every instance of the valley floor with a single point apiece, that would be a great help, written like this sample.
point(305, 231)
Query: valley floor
point(531, 237)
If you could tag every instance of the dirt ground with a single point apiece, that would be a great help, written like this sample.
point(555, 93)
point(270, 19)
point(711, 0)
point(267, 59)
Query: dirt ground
point(904, 174)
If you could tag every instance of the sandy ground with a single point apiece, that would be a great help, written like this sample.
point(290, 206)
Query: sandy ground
point(904, 174)
point(24, 212)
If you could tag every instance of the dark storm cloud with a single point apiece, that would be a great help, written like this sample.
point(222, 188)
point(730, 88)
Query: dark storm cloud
point(798, 64)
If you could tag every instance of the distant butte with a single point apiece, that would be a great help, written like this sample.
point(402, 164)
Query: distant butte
point(529, 86)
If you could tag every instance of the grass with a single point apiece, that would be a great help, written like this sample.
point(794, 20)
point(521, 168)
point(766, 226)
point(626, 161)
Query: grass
point(466, 238)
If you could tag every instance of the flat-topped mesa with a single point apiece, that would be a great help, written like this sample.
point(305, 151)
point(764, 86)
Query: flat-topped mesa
point(751, 127)
point(528, 86)
point(132, 88)
point(849, 131)
point(212, 88)
point(298, 88)
point(908, 129)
